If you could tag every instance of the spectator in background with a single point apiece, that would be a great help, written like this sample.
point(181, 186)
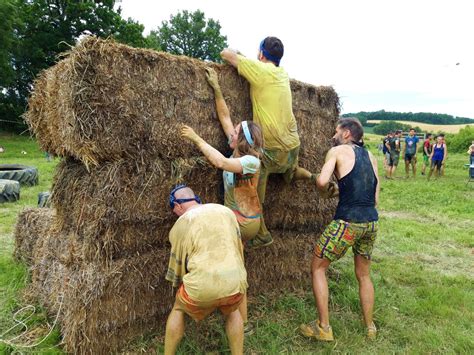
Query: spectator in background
point(444, 161)
point(427, 147)
point(470, 151)
point(394, 148)
point(386, 151)
point(438, 155)
point(409, 152)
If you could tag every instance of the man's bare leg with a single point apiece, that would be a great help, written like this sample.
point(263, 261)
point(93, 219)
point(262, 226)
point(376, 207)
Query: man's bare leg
point(366, 288)
point(407, 168)
point(174, 331)
point(243, 309)
point(234, 328)
point(320, 289)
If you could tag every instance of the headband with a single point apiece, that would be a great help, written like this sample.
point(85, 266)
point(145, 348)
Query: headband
point(173, 200)
point(247, 134)
point(268, 55)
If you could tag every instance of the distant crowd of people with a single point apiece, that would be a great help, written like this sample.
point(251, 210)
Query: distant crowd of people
point(434, 154)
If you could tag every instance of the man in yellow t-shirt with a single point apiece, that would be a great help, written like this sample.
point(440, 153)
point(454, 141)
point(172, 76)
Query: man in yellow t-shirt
point(270, 93)
point(207, 264)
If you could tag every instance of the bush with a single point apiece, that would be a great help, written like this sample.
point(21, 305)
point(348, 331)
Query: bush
point(460, 142)
point(384, 127)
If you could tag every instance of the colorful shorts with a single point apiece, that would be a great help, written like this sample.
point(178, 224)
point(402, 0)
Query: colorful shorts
point(277, 162)
point(426, 159)
point(200, 310)
point(340, 235)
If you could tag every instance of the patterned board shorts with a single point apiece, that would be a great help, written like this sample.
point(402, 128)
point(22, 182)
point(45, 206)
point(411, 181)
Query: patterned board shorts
point(200, 310)
point(340, 235)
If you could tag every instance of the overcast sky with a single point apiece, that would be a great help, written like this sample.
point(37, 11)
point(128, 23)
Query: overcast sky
point(407, 56)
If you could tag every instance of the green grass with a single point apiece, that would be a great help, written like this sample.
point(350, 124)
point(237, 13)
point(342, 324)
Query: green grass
point(422, 272)
point(13, 276)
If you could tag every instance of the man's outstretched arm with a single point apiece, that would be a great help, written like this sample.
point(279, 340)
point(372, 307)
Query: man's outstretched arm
point(230, 56)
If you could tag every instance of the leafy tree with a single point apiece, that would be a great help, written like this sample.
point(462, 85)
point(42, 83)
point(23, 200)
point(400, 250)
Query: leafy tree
point(188, 33)
point(426, 117)
point(44, 29)
point(460, 142)
point(9, 17)
point(384, 127)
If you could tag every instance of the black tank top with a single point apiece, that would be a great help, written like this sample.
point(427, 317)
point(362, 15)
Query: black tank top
point(357, 191)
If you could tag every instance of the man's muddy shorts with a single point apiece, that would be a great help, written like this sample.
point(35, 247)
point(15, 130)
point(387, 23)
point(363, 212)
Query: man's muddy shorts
point(410, 158)
point(277, 162)
point(340, 235)
point(200, 310)
point(394, 157)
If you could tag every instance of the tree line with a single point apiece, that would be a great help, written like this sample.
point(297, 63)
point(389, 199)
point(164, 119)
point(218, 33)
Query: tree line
point(422, 117)
point(34, 32)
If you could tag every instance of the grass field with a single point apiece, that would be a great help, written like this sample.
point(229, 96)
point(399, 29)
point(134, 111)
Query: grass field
point(433, 128)
point(422, 271)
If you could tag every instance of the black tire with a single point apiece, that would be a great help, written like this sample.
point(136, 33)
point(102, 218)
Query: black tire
point(44, 199)
point(25, 175)
point(9, 191)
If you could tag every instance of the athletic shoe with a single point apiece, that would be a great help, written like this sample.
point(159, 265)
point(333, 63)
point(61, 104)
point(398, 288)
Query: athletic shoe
point(314, 330)
point(372, 332)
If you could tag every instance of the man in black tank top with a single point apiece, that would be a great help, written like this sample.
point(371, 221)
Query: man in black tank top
point(355, 223)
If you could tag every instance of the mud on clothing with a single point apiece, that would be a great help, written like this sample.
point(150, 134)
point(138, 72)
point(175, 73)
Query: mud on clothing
point(241, 195)
point(438, 156)
point(339, 236)
point(270, 94)
point(199, 310)
point(411, 143)
point(207, 254)
point(394, 151)
point(355, 222)
point(277, 162)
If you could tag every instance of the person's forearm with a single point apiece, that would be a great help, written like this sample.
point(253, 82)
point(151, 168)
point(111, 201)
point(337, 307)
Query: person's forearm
point(223, 111)
point(212, 154)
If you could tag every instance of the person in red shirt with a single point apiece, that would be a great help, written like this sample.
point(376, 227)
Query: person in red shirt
point(427, 146)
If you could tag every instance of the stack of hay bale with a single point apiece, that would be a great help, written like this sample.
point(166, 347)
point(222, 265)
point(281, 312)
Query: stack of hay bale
point(113, 113)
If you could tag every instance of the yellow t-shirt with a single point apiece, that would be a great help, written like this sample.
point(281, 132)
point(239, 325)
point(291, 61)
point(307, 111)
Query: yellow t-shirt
point(207, 254)
point(271, 102)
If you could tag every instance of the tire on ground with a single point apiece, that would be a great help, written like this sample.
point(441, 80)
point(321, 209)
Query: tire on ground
point(9, 190)
point(25, 175)
point(44, 199)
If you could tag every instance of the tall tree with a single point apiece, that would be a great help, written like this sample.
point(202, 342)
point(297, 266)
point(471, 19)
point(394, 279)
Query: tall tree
point(189, 33)
point(49, 27)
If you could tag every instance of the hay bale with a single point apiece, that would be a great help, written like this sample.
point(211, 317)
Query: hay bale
point(121, 299)
point(32, 224)
point(115, 102)
point(97, 302)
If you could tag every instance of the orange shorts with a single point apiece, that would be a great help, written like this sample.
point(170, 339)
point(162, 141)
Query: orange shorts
point(200, 310)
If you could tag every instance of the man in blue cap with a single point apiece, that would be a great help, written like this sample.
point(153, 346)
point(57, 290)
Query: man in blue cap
point(270, 93)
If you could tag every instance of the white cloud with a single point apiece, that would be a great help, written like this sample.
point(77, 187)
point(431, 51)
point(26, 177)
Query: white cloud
point(383, 49)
